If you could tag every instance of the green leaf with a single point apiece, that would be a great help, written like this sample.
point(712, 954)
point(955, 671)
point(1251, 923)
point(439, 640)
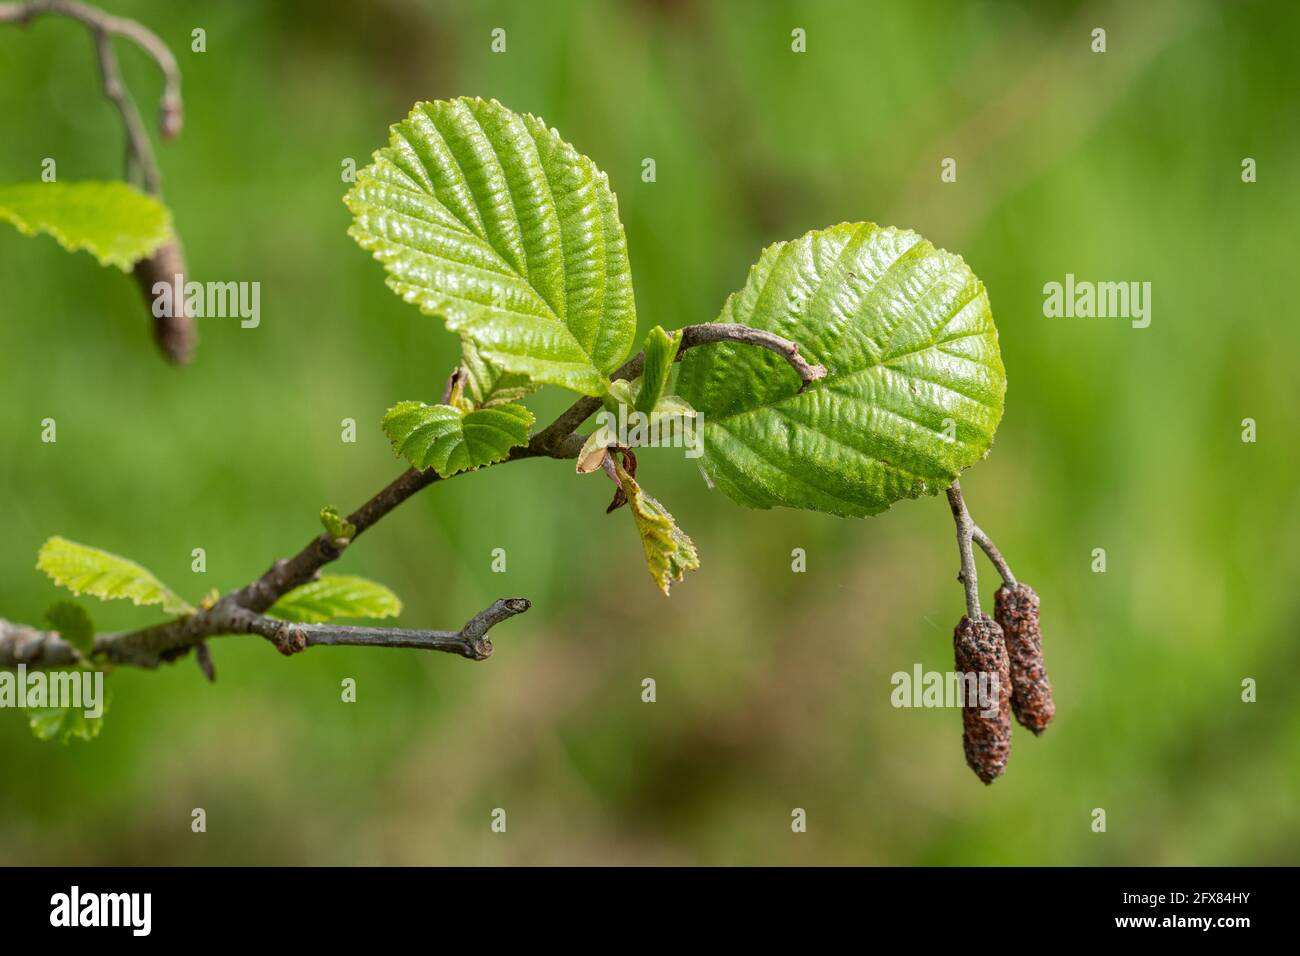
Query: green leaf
point(451, 440)
point(85, 570)
point(660, 352)
point(915, 381)
point(113, 221)
point(339, 528)
point(491, 222)
point(73, 624)
point(486, 385)
point(669, 552)
point(336, 595)
point(621, 392)
point(622, 425)
point(672, 406)
point(65, 723)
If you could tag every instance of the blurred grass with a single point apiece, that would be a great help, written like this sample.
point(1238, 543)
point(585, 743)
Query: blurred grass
point(773, 688)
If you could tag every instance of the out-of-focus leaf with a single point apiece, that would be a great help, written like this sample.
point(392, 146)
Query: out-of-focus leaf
point(336, 595)
point(86, 570)
point(113, 221)
point(73, 624)
point(65, 723)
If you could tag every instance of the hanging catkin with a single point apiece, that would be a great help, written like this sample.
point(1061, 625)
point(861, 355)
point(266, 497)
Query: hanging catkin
point(979, 649)
point(174, 328)
point(1016, 610)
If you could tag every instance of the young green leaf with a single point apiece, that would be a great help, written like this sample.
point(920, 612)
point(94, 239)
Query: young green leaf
point(65, 723)
point(451, 440)
point(915, 385)
point(669, 552)
point(621, 392)
point(86, 570)
point(660, 352)
point(339, 528)
point(73, 624)
point(672, 406)
point(491, 222)
point(486, 385)
point(619, 425)
point(336, 595)
point(114, 222)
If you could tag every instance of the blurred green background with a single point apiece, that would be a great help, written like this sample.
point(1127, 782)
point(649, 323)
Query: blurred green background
point(773, 687)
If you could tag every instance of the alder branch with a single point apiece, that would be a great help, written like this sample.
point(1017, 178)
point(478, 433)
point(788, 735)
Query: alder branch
point(557, 440)
point(692, 335)
point(174, 330)
point(470, 641)
point(150, 647)
point(967, 532)
point(994, 555)
point(242, 611)
point(20, 644)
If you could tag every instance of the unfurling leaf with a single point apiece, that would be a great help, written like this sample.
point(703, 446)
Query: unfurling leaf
point(65, 723)
point(914, 387)
point(594, 450)
point(623, 425)
point(491, 222)
point(660, 349)
point(86, 570)
point(73, 624)
point(486, 385)
point(620, 392)
point(451, 440)
point(669, 551)
point(336, 595)
point(113, 221)
point(339, 528)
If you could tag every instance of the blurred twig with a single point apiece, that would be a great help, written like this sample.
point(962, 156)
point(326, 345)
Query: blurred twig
point(140, 163)
point(166, 642)
point(174, 332)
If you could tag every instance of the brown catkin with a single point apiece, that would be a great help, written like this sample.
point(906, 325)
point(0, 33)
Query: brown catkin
point(979, 649)
point(174, 333)
point(1016, 610)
